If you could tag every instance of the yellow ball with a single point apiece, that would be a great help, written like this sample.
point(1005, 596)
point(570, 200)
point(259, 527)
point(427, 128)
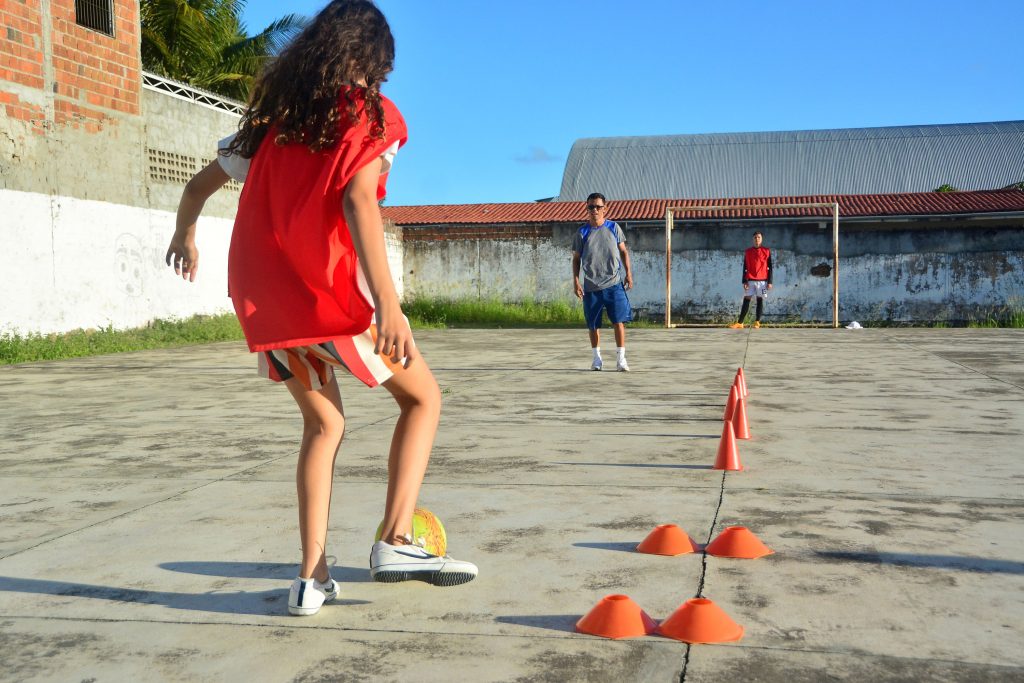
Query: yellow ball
point(427, 531)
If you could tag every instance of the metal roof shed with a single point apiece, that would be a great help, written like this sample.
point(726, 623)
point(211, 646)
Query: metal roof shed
point(895, 159)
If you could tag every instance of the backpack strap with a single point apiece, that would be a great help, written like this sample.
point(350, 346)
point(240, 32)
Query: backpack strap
point(586, 229)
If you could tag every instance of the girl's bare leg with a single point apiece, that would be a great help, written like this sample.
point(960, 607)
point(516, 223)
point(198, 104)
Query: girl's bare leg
point(419, 399)
point(323, 426)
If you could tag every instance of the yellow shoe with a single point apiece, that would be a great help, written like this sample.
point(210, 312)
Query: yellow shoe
point(757, 324)
point(736, 326)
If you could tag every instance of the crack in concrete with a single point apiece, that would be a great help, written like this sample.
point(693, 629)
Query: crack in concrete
point(950, 360)
point(711, 530)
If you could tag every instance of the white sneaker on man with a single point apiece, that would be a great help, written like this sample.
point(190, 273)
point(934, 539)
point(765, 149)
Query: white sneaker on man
point(597, 364)
point(394, 563)
point(622, 365)
point(307, 595)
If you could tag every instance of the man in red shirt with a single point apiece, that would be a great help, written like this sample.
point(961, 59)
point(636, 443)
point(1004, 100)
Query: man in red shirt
point(757, 279)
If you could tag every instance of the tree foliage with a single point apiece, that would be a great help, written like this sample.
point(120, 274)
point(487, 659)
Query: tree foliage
point(205, 44)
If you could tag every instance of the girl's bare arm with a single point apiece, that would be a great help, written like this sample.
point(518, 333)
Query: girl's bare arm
point(362, 213)
point(182, 252)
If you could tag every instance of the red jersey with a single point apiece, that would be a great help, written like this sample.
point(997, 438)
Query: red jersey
point(292, 268)
point(757, 264)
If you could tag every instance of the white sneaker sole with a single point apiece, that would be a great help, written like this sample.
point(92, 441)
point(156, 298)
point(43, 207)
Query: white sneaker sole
point(303, 611)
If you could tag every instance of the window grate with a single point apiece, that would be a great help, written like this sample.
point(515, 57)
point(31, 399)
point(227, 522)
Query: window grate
point(95, 14)
point(168, 167)
point(232, 185)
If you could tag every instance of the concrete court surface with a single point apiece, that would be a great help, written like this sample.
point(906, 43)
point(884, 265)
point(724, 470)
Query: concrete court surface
point(148, 528)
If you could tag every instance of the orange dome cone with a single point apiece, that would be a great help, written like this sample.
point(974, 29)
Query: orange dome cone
point(616, 616)
point(740, 426)
point(701, 621)
point(739, 542)
point(728, 455)
point(731, 403)
point(742, 379)
point(667, 539)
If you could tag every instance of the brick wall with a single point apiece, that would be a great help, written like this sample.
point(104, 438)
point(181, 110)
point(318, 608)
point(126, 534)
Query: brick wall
point(54, 72)
point(95, 74)
point(21, 61)
point(445, 233)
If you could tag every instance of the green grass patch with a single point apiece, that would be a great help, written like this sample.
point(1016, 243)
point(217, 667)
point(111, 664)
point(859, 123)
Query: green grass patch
point(1011, 318)
point(492, 313)
point(160, 334)
point(423, 314)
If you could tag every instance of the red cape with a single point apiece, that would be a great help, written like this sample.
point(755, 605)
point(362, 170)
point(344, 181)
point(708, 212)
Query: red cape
point(292, 267)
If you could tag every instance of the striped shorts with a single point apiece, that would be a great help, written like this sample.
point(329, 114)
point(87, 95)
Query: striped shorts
point(314, 365)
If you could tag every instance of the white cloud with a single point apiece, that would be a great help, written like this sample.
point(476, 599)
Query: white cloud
point(537, 155)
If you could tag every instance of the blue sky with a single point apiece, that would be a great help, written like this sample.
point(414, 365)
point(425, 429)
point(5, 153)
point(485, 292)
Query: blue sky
point(495, 93)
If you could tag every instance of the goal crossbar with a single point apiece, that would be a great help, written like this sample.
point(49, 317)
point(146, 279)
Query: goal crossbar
point(671, 211)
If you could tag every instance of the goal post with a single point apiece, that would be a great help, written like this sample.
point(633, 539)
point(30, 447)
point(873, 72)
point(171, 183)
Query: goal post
point(672, 211)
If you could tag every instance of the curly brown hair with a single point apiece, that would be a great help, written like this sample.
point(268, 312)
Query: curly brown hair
point(300, 92)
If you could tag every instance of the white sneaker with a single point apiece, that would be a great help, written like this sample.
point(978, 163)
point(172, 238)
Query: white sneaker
point(394, 563)
point(622, 366)
point(597, 364)
point(307, 595)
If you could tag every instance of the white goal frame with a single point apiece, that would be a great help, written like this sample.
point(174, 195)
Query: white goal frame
point(672, 211)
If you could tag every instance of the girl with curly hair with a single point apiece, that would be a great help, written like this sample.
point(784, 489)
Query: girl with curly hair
point(309, 279)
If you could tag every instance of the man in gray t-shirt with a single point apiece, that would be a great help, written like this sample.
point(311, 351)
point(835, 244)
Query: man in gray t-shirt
point(599, 253)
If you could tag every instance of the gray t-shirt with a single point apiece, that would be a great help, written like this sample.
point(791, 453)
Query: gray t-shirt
point(600, 263)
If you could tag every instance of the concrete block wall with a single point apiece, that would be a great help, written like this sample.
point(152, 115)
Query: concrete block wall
point(919, 271)
point(179, 138)
point(507, 262)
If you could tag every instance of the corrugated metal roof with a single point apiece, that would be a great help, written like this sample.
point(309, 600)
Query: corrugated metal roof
point(906, 204)
point(968, 156)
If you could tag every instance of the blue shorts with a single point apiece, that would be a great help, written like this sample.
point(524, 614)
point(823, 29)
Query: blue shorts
point(612, 299)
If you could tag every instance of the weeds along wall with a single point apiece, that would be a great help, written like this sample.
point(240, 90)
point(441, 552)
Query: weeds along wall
point(911, 270)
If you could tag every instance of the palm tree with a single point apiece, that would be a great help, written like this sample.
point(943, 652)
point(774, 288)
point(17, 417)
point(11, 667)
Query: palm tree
point(204, 43)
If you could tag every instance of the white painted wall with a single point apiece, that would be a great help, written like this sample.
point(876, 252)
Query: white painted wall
point(81, 264)
point(509, 270)
point(706, 282)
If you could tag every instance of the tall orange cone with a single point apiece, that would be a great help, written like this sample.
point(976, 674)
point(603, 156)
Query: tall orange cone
point(616, 616)
point(739, 542)
point(731, 403)
point(728, 456)
point(740, 426)
point(667, 539)
point(701, 621)
point(742, 378)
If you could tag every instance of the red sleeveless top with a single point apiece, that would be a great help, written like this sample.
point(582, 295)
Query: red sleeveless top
point(292, 267)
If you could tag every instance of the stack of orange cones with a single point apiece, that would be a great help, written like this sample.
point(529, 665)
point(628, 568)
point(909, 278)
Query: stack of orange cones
point(731, 403)
point(667, 539)
point(740, 425)
point(741, 382)
point(728, 455)
point(739, 542)
point(616, 616)
point(700, 621)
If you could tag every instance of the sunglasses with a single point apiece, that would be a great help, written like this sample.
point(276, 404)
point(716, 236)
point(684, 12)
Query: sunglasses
point(595, 207)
